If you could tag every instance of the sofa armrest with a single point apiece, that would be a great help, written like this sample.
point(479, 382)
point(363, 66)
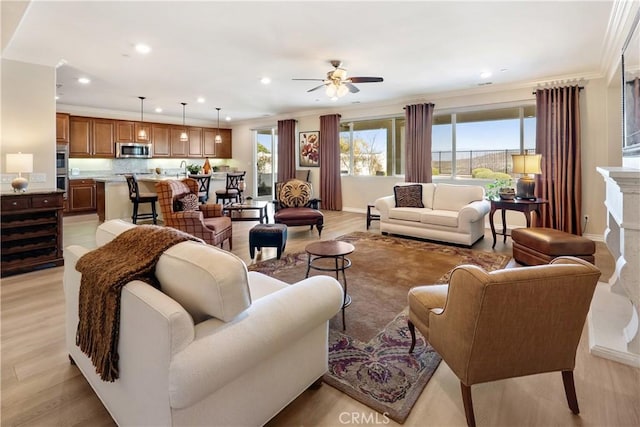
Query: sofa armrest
point(211, 210)
point(268, 326)
point(474, 211)
point(384, 204)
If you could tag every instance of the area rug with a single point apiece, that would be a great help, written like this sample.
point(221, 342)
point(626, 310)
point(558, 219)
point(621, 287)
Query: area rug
point(370, 360)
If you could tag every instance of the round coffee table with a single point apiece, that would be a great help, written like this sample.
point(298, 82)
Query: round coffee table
point(336, 250)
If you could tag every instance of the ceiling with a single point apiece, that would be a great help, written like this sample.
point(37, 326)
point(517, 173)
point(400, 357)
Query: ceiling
point(221, 50)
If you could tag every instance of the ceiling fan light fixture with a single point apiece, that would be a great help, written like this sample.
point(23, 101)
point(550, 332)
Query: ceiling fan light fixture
point(342, 90)
point(218, 138)
point(331, 90)
point(142, 133)
point(183, 136)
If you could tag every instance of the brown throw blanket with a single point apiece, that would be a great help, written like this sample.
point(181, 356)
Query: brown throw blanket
point(132, 255)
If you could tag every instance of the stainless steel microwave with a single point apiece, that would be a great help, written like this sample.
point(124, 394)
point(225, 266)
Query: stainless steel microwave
point(134, 150)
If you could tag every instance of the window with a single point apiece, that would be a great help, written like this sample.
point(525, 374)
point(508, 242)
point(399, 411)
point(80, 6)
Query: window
point(474, 144)
point(479, 144)
point(266, 140)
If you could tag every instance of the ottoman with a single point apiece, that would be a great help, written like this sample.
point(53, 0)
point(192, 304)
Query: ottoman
point(267, 235)
point(537, 246)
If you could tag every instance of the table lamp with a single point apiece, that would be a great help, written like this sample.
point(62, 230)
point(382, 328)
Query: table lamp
point(19, 163)
point(526, 164)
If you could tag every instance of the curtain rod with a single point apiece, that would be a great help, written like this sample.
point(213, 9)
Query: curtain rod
point(553, 87)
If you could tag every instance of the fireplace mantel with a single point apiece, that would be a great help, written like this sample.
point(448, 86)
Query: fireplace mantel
point(613, 318)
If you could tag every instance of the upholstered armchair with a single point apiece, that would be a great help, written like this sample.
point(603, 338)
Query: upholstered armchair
point(181, 210)
point(506, 323)
point(295, 206)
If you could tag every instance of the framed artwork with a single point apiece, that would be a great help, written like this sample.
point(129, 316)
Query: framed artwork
point(310, 148)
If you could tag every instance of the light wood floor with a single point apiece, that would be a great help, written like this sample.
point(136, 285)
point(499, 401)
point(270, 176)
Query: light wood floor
point(41, 388)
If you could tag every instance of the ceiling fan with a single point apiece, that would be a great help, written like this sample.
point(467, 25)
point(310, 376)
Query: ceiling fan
point(338, 84)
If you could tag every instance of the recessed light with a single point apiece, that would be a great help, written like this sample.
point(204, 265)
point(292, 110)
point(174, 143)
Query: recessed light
point(158, 110)
point(265, 80)
point(57, 97)
point(84, 80)
point(143, 48)
point(228, 118)
point(200, 100)
point(485, 74)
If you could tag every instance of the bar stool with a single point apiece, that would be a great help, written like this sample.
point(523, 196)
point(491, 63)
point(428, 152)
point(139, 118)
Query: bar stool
point(137, 197)
point(232, 191)
point(204, 182)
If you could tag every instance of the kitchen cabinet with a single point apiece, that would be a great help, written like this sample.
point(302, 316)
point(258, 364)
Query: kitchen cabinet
point(90, 137)
point(195, 142)
point(160, 139)
point(31, 231)
point(178, 148)
point(62, 128)
point(82, 196)
point(127, 131)
point(213, 150)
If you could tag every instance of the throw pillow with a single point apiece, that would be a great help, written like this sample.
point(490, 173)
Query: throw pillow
point(408, 196)
point(295, 194)
point(190, 203)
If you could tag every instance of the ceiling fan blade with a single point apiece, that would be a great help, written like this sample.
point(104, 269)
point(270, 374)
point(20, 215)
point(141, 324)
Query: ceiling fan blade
point(366, 79)
point(314, 80)
point(351, 87)
point(317, 87)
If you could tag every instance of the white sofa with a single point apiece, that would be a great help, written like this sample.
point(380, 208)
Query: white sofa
point(264, 344)
point(451, 213)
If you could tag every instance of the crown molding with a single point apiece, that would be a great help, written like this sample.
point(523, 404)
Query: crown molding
point(621, 20)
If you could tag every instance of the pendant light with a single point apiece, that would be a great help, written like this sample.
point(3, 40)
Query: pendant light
point(183, 136)
point(142, 133)
point(218, 138)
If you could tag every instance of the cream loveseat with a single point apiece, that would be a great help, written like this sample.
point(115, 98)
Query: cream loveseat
point(451, 213)
point(218, 346)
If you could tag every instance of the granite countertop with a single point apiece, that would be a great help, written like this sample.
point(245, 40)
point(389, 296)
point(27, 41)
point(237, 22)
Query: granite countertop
point(150, 177)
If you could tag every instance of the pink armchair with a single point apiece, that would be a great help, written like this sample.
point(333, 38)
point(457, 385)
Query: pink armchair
point(205, 221)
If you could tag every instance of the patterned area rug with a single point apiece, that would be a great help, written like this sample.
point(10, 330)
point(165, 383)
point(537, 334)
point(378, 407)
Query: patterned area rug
point(370, 360)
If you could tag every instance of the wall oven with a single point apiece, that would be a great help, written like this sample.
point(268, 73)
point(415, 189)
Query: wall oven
point(62, 167)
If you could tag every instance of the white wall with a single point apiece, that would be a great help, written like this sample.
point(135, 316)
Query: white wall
point(29, 117)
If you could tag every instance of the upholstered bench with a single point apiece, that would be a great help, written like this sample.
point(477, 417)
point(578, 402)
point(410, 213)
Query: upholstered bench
point(268, 235)
point(536, 246)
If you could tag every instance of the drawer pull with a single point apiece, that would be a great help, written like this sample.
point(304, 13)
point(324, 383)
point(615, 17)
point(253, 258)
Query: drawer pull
point(45, 201)
point(15, 203)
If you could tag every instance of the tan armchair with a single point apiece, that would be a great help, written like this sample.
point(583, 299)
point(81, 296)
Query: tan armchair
point(205, 221)
point(293, 205)
point(506, 323)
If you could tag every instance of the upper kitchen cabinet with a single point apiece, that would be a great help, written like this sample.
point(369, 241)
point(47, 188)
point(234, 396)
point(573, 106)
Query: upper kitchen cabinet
point(178, 148)
point(161, 140)
point(62, 128)
point(195, 142)
point(217, 151)
point(91, 137)
point(127, 131)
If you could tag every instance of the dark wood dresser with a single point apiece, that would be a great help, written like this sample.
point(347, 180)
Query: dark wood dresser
point(31, 228)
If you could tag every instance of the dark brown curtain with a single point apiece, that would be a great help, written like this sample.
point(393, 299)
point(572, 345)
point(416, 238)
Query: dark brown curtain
point(558, 141)
point(419, 119)
point(286, 149)
point(330, 182)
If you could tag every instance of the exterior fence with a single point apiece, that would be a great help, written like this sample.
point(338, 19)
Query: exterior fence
point(467, 161)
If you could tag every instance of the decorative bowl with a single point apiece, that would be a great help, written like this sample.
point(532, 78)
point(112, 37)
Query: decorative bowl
point(507, 193)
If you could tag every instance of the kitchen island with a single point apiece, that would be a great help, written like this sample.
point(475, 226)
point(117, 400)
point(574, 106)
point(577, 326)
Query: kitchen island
point(113, 194)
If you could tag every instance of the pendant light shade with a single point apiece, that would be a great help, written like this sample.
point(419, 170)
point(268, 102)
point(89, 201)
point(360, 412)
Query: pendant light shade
point(183, 136)
point(142, 133)
point(218, 138)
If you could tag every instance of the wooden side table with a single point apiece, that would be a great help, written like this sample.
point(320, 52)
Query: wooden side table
point(337, 251)
point(524, 206)
point(371, 216)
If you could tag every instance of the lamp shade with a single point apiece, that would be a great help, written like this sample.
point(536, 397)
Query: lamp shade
point(526, 163)
point(19, 163)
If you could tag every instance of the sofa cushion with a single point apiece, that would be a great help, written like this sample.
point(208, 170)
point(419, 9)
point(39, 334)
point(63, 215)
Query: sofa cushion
point(205, 280)
point(406, 214)
point(444, 218)
point(454, 197)
point(408, 196)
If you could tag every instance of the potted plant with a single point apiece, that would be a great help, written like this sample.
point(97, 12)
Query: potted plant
point(194, 169)
point(500, 188)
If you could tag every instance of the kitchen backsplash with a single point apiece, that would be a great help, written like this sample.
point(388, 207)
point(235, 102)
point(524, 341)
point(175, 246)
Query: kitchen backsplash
point(119, 166)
